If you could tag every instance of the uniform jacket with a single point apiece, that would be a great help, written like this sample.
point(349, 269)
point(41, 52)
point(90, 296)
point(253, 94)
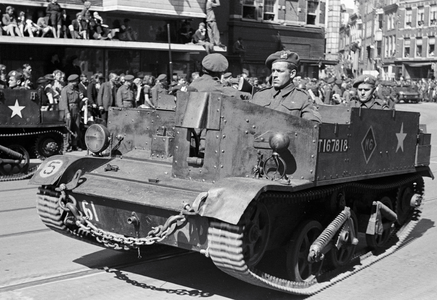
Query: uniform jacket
point(106, 95)
point(374, 103)
point(290, 99)
point(69, 95)
point(207, 83)
point(124, 93)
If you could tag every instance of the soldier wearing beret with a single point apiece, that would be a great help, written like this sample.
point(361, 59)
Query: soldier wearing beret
point(213, 66)
point(365, 95)
point(15, 80)
point(283, 95)
point(125, 94)
point(70, 103)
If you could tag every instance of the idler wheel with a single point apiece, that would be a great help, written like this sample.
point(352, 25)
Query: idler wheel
point(257, 226)
point(342, 256)
point(377, 241)
point(298, 266)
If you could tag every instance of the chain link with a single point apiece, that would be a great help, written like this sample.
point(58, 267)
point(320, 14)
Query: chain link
point(118, 241)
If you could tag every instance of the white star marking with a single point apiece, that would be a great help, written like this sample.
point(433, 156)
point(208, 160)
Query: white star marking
point(401, 137)
point(16, 109)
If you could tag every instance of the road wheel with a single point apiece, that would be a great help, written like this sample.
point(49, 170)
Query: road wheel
point(48, 144)
point(12, 168)
point(298, 267)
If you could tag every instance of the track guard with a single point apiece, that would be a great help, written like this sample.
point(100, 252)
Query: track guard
point(64, 166)
point(230, 197)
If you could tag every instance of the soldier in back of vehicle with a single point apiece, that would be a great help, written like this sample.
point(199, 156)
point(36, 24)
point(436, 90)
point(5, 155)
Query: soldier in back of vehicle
point(283, 95)
point(366, 96)
point(15, 80)
point(213, 66)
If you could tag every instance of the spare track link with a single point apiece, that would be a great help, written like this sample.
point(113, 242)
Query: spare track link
point(226, 246)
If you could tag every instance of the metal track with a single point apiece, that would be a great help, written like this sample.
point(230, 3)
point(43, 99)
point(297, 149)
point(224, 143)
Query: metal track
point(226, 244)
point(226, 241)
point(31, 171)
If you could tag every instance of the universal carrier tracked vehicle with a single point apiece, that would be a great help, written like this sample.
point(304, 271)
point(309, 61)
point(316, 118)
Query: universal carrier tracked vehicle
point(274, 200)
point(27, 131)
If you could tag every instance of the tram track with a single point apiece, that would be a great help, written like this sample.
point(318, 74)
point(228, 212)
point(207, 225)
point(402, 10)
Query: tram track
point(157, 255)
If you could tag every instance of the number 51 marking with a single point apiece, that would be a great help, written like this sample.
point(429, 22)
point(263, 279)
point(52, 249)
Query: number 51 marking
point(90, 213)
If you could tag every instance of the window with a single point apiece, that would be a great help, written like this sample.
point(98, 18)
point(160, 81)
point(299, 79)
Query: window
point(419, 47)
point(408, 17)
point(420, 16)
point(260, 10)
point(407, 48)
point(433, 15)
point(431, 46)
point(312, 7)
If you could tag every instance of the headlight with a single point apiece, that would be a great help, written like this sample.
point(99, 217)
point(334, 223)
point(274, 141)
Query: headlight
point(97, 138)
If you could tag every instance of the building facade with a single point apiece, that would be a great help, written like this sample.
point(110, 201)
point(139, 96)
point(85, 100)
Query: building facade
point(160, 44)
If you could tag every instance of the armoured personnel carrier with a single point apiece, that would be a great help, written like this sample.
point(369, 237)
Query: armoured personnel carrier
point(274, 200)
point(27, 131)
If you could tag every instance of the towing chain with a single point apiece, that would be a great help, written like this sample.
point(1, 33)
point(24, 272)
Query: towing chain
point(118, 241)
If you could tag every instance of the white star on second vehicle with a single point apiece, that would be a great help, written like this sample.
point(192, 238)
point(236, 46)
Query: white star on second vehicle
point(16, 109)
point(401, 137)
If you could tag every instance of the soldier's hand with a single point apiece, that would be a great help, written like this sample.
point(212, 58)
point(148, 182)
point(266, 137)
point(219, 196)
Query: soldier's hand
point(100, 107)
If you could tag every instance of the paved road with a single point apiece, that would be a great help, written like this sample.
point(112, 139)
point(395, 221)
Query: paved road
point(37, 263)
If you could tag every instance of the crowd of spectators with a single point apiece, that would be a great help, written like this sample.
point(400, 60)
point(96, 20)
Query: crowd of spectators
point(55, 22)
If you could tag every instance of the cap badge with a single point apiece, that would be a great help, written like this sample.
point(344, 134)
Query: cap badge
point(284, 55)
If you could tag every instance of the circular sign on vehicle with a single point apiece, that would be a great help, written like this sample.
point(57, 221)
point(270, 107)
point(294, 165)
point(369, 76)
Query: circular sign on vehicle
point(51, 168)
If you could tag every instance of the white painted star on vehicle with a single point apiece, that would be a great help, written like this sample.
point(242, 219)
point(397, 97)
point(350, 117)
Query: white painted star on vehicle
point(16, 109)
point(401, 137)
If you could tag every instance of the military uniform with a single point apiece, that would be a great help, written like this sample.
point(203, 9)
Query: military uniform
point(71, 103)
point(290, 99)
point(373, 102)
point(125, 95)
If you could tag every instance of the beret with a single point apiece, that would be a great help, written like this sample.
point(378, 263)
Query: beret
point(215, 62)
point(330, 80)
point(2, 67)
point(129, 77)
point(161, 77)
point(284, 55)
point(72, 77)
point(16, 74)
point(369, 79)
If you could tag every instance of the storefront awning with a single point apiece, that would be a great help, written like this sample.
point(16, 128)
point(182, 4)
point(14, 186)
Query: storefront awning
point(418, 64)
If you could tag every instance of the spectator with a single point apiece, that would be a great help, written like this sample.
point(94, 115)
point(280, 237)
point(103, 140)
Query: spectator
point(194, 76)
point(126, 32)
point(27, 76)
point(43, 24)
point(76, 28)
point(125, 94)
point(50, 97)
point(15, 80)
point(213, 32)
point(57, 85)
point(185, 32)
point(9, 21)
point(239, 49)
point(93, 91)
point(148, 83)
point(54, 13)
point(106, 95)
point(200, 38)
point(99, 30)
point(29, 26)
point(3, 81)
point(83, 85)
point(66, 22)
